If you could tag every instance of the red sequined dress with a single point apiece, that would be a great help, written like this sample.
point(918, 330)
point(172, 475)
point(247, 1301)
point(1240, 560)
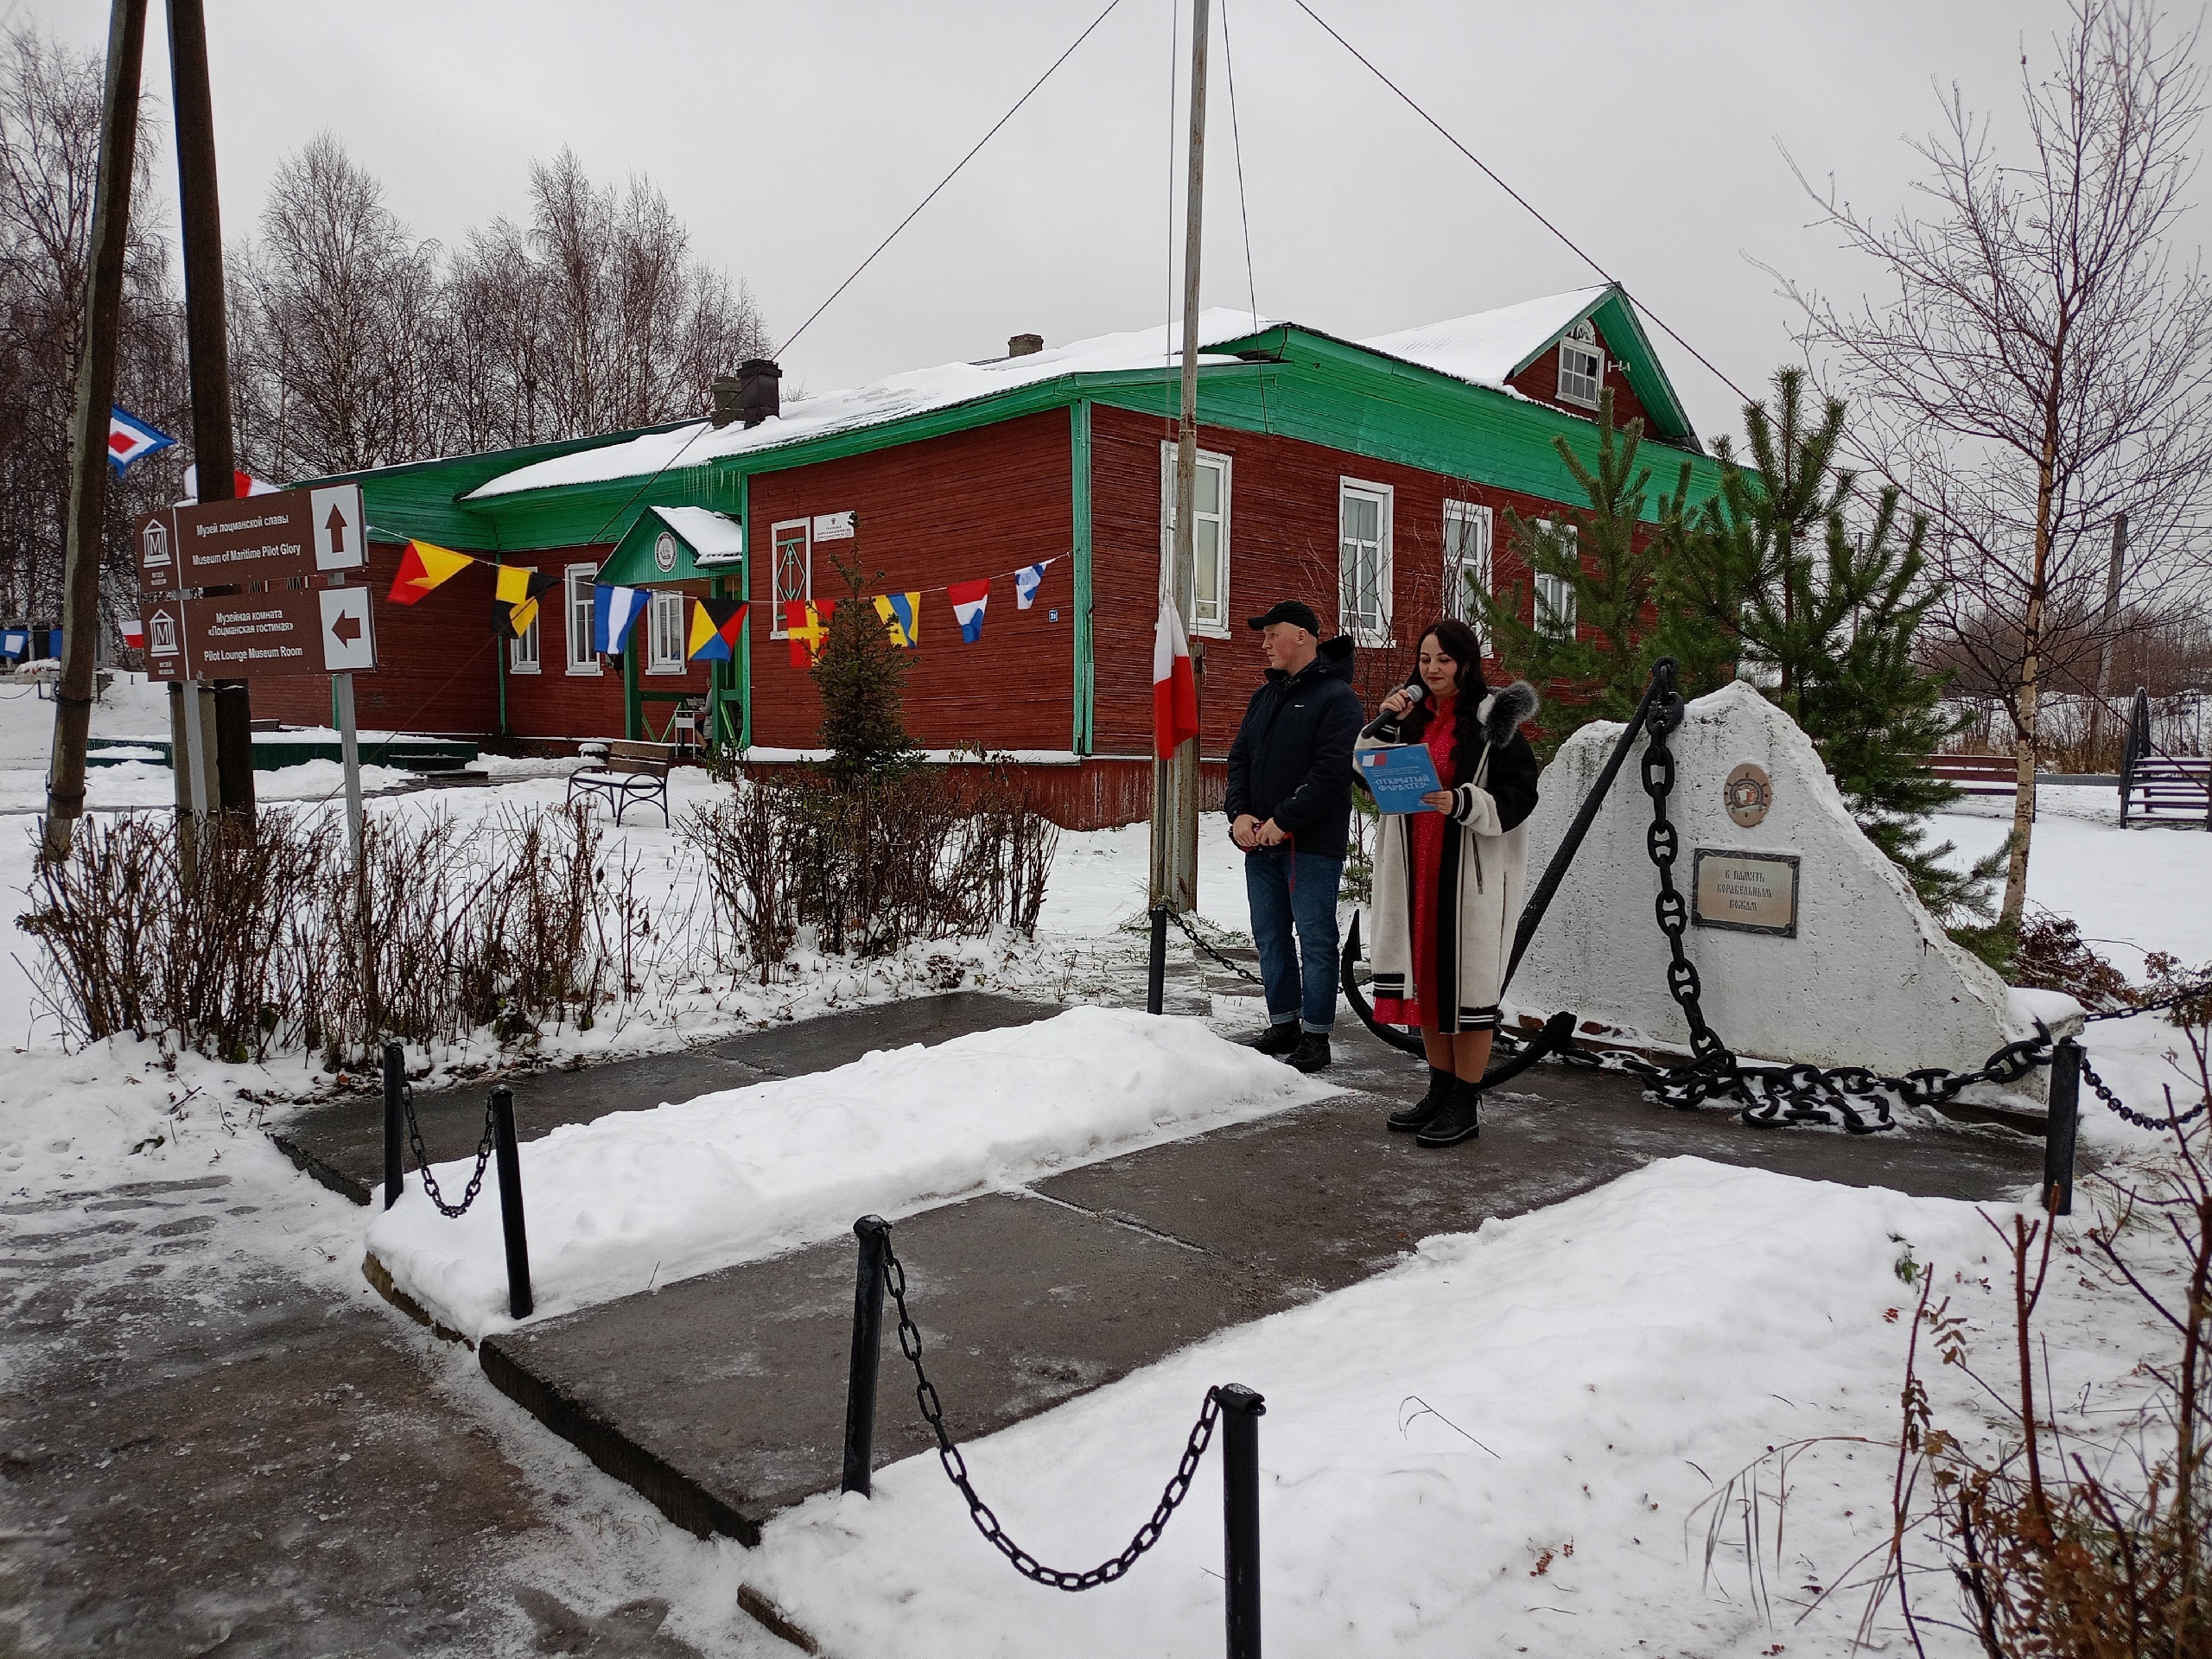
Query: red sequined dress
point(1425, 831)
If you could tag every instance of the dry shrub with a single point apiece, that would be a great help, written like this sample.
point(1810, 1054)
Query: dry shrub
point(2049, 953)
point(523, 919)
point(870, 866)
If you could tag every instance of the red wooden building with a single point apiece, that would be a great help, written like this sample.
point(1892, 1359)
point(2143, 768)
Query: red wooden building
point(1369, 477)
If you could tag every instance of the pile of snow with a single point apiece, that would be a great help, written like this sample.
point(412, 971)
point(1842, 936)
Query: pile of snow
point(1498, 1447)
point(638, 1199)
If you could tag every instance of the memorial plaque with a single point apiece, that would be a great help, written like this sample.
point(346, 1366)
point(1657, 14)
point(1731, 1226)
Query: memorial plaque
point(254, 636)
point(1752, 892)
point(255, 538)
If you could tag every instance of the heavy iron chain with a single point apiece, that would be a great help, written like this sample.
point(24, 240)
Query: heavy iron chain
point(1770, 1094)
point(1192, 934)
point(422, 1157)
point(2141, 1120)
point(956, 1466)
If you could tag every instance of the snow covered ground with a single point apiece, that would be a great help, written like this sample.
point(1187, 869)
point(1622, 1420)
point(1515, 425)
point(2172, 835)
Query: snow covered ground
point(643, 1198)
point(1499, 1447)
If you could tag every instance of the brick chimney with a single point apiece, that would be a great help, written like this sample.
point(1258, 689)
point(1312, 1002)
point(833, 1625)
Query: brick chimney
point(1025, 345)
point(760, 389)
point(728, 393)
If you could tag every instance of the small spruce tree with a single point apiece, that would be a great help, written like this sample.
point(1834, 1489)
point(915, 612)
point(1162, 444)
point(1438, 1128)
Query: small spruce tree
point(1610, 564)
point(861, 677)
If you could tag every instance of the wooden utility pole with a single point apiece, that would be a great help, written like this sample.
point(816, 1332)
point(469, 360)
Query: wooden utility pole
point(1175, 780)
point(88, 464)
point(206, 338)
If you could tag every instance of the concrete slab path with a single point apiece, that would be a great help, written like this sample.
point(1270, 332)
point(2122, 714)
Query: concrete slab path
point(723, 1398)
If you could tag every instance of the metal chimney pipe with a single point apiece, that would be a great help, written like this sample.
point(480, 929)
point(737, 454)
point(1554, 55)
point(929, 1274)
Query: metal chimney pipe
point(759, 383)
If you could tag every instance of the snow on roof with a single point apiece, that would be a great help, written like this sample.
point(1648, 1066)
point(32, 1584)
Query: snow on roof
point(712, 535)
point(915, 393)
point(1487, 348)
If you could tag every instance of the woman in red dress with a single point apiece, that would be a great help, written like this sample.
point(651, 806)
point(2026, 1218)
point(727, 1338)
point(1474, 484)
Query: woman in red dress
point(1449, 879)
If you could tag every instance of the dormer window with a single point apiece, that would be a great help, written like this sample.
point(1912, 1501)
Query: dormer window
point(1581, 365)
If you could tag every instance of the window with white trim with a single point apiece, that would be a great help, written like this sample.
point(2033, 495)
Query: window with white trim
point(1555, 605)
point(1581, 365)
point(1466, 563)
point(1363, 561)
point(523, 648)
point(664, 626)
point(583, 658)
point(1209, 537)
point(793, 570)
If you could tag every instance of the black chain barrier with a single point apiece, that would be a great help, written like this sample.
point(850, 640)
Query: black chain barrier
point(422, 1156)
point(2141, 1120)
point(1192, 934)
point(956, 1466)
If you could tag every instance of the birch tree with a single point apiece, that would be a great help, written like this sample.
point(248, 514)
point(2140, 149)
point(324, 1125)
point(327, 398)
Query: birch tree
point(2040, 357)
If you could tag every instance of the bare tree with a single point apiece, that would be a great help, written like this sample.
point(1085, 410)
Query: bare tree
point(596, 317)
point(335, 320)
point(2042, 362)
point(49, 162)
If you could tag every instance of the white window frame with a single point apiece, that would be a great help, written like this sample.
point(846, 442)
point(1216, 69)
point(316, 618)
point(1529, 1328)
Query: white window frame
point(1215, 626)
point(1549, 616)
point(1582, 340)
point(1363, 631)
point(1469, 530)
point(664, 634)
point(583, 659)
point(777, 597)
point(527, 650)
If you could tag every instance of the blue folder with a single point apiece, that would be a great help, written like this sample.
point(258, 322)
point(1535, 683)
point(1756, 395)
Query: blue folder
point(1398, 776)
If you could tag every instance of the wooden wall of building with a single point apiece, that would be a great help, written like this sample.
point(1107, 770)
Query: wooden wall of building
point(1539, 380)
point(980, 503)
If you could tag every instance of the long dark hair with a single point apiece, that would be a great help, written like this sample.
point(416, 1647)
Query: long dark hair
point(1457, 640)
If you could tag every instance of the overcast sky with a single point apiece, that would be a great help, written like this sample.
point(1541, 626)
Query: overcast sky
point(790, 138)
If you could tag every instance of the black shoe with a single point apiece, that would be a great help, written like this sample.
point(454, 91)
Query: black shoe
point(1276, 1040)
point(1311, 1052)
point(1409, 1118)
point(1458, 1120)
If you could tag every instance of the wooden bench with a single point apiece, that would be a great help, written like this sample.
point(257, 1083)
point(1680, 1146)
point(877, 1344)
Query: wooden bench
point(2169, 788)
point(1978, 774)
point(624, 771)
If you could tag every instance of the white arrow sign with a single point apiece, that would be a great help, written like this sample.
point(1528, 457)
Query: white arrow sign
point(349, 635)
point(338, 526)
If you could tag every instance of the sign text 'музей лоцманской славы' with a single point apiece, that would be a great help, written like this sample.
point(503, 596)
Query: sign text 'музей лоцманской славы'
point(255, 538)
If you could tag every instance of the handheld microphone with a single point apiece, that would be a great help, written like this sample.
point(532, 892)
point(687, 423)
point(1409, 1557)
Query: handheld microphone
point(1417, 691)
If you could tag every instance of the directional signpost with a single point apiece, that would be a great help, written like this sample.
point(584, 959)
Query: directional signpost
point(319, 534)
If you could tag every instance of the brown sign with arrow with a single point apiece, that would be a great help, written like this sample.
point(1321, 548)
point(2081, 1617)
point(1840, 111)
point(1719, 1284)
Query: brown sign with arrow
point(252, 636)
point(255, 538)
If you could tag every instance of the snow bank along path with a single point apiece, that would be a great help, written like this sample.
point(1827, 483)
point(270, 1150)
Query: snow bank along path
point(1486, 1449)
point(634, 1199)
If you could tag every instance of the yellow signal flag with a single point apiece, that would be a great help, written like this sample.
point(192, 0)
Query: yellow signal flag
point(513, 584)
point(521, 616)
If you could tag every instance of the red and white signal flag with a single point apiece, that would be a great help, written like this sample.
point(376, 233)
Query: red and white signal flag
point(1174, 688)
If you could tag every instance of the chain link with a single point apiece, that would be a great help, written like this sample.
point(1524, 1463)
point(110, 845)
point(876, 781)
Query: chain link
point(2141, 1120)
point(956, 1466)
point(1771, 1096)
point(422, 1157)
point(1192, 934)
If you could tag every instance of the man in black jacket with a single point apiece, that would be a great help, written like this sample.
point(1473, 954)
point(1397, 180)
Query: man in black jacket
point(1290, 809)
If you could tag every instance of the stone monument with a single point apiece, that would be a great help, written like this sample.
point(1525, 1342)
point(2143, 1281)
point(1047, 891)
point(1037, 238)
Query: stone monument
point(1809, 944)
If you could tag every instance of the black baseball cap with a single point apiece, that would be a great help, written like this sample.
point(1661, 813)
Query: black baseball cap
point(1294, 610)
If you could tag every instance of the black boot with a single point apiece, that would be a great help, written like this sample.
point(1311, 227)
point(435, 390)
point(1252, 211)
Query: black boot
point(1458, 1120)
point(1311, 1052)
point(1276, 1040)
point(1407, 1119)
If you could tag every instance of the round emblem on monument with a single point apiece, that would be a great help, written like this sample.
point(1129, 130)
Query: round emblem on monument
point(665, 552)
point(1749, 793)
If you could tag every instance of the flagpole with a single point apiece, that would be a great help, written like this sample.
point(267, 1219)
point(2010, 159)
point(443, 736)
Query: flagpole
point(1175, 780)
point(72, 696)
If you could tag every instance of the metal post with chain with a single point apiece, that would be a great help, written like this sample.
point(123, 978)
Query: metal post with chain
point(1233, 1397)
point(422, 1157)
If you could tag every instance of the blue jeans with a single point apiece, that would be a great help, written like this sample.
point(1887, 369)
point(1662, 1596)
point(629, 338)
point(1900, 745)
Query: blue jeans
point(1295, 892)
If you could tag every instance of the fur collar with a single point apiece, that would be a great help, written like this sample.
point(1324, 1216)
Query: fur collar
point(1503, 711)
